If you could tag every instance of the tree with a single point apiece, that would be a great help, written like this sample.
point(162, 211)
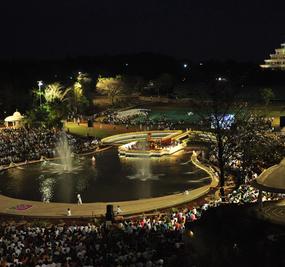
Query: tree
point(37, 117)
point(110, 86)
point(218, 107)
point(81, 95)
point(139, 84)
point(164, 84)
point(236, 133)
point(133, 84)
point(267, 95)
point(54, 92)
point(53, 109)
point(257, 146)
point(85, 81)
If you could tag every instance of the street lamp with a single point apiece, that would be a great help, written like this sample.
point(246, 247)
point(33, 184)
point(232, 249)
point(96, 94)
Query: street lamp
point(40, 84)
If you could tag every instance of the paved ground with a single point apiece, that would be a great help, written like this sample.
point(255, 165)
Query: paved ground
point(39, 209)
point(272, 211)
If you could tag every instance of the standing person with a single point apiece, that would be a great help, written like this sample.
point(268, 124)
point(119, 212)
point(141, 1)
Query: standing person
point(79, 200)
point(68, 212)
point(119, 210)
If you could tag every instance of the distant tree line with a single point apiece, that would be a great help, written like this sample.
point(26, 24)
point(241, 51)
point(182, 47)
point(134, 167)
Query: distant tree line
point(146, 74)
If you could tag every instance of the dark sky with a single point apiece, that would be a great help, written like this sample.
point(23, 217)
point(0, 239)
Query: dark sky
point(198, 30)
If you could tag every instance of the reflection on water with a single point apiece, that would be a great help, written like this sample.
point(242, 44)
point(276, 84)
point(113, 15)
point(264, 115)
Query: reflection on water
point(111, 178)
point(46, 187)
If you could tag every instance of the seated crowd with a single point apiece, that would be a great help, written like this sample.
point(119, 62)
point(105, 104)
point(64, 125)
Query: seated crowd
point(153, 240)
point(143, 241)
point(249, 194)
point(21, 145)
point(142, 121)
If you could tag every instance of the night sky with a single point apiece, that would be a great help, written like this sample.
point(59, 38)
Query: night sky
point(246, 30)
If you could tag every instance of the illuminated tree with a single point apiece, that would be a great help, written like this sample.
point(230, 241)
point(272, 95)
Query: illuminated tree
point(53, 110)
point(55, 92)
point(257, 146)
point(80, 93)
point(77, 97)
point(110, 86)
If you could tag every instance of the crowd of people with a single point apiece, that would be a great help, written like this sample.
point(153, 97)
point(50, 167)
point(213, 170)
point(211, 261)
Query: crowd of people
point(153, 240)
point(144, 122)
point(23, 145)
point(248, 194)
point(143, 241)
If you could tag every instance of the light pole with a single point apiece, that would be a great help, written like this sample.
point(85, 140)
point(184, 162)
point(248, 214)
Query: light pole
point(40, 84)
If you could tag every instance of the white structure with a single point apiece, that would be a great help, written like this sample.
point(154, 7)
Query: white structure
point(276, 60)
point(272, 179)
point(15, 120)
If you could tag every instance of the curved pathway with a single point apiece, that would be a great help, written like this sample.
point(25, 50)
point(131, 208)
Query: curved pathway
point(39, 209)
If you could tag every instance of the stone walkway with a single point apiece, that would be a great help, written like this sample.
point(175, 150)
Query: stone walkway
point(57, 210)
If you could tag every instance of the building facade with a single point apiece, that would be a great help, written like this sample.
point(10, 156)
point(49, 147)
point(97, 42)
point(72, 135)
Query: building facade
point(276, 60)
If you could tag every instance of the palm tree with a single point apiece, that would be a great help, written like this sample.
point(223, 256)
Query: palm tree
point(55, 92)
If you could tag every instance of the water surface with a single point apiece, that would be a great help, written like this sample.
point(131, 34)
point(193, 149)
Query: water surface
point(111, 178)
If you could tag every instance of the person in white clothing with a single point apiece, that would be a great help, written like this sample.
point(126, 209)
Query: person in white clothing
point(79, 202)
point(68, 212)
point(119, 210)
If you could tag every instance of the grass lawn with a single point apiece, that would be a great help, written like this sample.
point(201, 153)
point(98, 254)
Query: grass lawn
point(99, 129)
point(173, 112)
point(176, 112)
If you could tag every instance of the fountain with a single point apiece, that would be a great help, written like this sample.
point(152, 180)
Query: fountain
point(64, 152)
point(142, 169)
point(67, 163)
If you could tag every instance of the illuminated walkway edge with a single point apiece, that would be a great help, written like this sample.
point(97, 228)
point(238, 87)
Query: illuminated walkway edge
point(58, 210)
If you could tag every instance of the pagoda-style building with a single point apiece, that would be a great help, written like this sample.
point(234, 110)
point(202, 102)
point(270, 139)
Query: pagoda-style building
point(277, 60)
